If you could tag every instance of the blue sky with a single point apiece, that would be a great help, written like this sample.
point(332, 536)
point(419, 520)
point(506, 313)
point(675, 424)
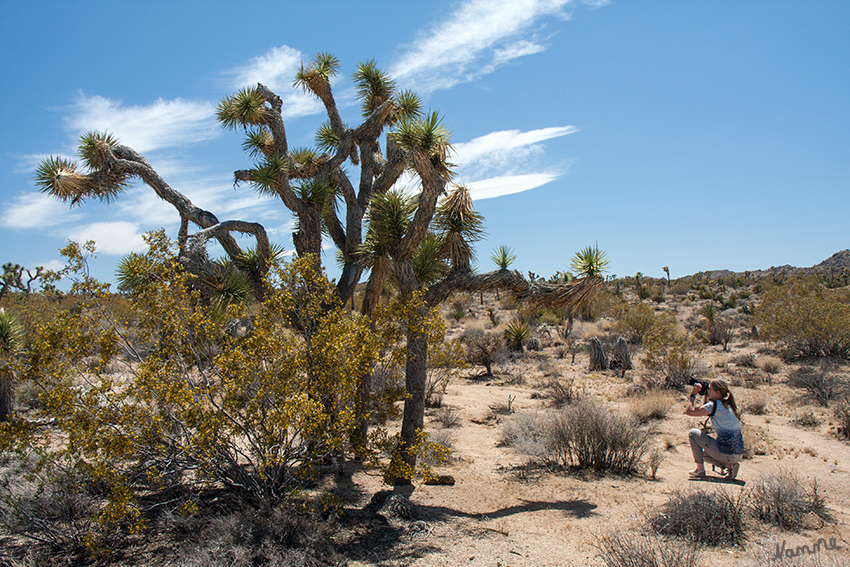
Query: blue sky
point(696, 135)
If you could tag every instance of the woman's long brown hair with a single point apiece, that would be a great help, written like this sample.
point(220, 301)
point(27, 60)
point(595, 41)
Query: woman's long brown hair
point(720, 386)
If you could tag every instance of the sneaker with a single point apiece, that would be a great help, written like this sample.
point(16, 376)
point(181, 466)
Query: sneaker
point(697, 473)
point(732, 471)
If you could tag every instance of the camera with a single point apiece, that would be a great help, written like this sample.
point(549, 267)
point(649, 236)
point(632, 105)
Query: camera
point(703, 386)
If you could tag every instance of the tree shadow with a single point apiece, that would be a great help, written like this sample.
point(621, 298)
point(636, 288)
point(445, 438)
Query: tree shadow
point(577, 509)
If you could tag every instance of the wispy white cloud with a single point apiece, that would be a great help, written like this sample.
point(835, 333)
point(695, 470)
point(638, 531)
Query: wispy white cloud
point(504, 153)
point(36, 210)
point(276, 69)
point(162, 124)
point(509, 184)
point(474, 40)
point(144, 208)
point(118, 238)
point(505, 144)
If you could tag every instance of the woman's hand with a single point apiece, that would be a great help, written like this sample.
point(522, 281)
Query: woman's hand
point(695, 390)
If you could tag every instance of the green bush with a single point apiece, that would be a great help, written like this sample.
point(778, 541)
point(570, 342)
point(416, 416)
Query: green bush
point(671, 352)
point(257, 416)
point(484, 348)
point(809, 319)
point(634, 321)
point(820, 384)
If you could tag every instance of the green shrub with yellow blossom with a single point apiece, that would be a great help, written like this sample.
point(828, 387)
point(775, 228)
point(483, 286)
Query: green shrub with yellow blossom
point(192, 406)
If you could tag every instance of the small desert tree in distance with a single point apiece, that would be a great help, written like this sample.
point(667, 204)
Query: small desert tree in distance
point(503, 256)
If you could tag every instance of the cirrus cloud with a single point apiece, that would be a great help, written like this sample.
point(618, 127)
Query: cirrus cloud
point(476, 39)
point(161, 124)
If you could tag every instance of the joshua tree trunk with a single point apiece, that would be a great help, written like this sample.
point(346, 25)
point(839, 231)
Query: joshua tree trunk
point(5, 394)
point(621, 358)
point(598, 358)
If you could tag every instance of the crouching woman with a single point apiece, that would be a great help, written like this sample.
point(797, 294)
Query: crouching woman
point(727, 450)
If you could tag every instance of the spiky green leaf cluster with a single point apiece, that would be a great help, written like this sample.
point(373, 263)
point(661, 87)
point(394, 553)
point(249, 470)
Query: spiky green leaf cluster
point(134, 272)
point(249, 260)
point(459, 224)
point(307, 160)
point(408, 105)
point(266, 176)
point(517, 332)
point(390, 216)
point(60, 178)
point(326, 139)
point(316, 76)
point(258, 142)
point(427, 135)
point(429, 262)
point(589, 262)
point(503, 257)
point(374, 86)
point(11, 332)
point(93, 148)
point(316, 190)
point(243, 109)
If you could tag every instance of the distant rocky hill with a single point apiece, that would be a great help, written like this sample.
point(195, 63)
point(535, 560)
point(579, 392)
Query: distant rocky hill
point(838, 261)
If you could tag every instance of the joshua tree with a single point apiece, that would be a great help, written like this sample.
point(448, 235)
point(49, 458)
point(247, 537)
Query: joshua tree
point(426, 248)
point(12, 278)
point(590, 262)
point(641, 293)
point(667, 271)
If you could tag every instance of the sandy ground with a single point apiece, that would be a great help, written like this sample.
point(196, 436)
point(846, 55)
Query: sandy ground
point(501, 511)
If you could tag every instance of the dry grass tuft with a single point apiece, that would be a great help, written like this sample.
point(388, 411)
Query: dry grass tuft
point(655, 404)
point(757, 403)
point(770, 364)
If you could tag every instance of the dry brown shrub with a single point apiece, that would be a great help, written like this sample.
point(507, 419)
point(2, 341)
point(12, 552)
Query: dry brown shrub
point(712, 517)
point(655, 404)
point(779, 498)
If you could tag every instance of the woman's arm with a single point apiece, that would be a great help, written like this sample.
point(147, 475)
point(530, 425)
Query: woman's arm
point(691, 410)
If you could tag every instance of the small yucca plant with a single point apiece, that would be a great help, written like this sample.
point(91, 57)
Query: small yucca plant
point(11, 332)
point(11, 335)
point(517, 333)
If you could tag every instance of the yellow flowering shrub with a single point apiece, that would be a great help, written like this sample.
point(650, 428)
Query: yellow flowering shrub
point(193, 406)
